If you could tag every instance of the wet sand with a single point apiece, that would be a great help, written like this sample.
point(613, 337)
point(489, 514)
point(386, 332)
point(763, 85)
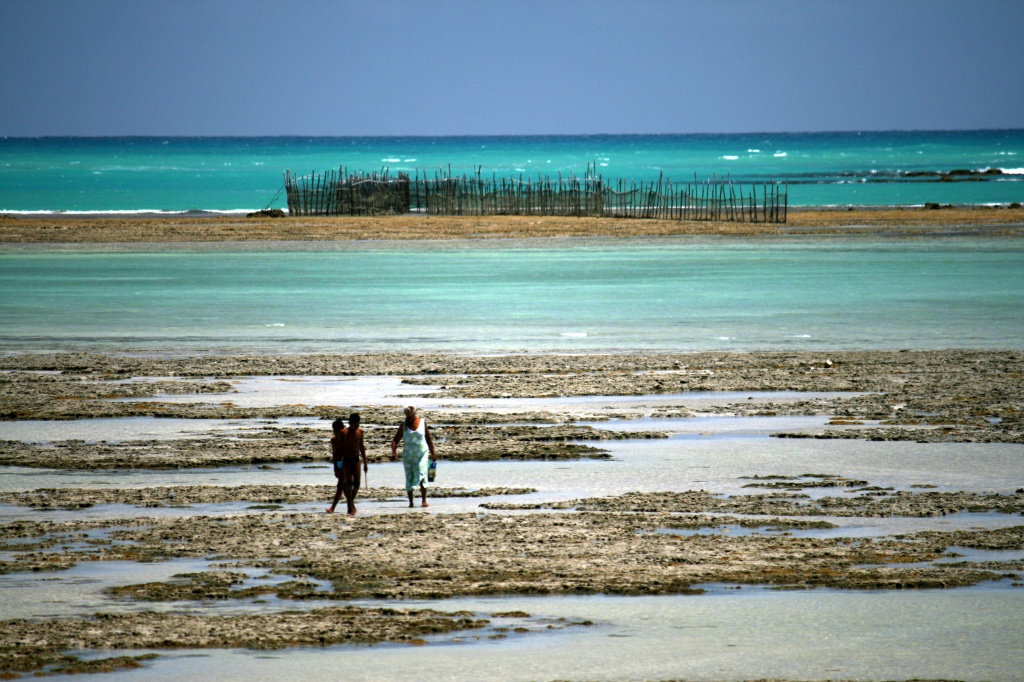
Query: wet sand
point(905, 222)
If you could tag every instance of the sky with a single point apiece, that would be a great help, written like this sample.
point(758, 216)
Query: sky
point(517, 67)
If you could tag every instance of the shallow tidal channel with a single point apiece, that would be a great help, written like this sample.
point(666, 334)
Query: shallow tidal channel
point(970, 634)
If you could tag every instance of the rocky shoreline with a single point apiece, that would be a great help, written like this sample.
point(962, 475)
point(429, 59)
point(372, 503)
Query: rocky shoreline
point(651, 543)
point(27, 646)
point(925, 396)
point(184, 496)
point(605, 545)
point(635, 544)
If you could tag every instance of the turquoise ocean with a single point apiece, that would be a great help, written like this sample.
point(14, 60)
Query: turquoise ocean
point(510, 296)
point(581, 295)
point(224, 174)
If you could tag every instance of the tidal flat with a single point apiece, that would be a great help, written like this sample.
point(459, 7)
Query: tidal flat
point(543, 498)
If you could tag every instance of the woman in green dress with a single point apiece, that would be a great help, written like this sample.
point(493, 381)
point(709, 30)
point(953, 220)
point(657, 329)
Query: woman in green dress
point(417, 451)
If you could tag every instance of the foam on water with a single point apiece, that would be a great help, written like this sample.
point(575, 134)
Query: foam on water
point(140, 212)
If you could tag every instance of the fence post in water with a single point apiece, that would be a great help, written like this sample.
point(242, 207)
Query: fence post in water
point(785, 204)
point(305, 195)
point(308, 186)
point(321, 186)
point(327, 188)
point(288, 191)
point(322, 195)
point(316, 193)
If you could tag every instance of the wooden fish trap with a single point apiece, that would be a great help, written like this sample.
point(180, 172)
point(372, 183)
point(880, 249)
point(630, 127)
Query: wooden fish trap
point(341, 193)
point(714, 199)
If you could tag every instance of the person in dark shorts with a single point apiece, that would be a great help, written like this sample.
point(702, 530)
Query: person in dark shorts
point(346, 450)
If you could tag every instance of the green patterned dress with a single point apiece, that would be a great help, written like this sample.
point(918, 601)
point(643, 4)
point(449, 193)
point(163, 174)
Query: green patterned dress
point(415, 454)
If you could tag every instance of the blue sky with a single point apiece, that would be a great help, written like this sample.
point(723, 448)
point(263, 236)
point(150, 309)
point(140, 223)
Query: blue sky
point(461, 67)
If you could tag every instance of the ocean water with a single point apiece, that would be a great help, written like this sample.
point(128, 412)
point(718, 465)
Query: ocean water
point(678, 295)
point(224, 174)
point(545, 296)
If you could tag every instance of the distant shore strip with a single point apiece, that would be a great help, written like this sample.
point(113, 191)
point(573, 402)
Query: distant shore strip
point(339, 192)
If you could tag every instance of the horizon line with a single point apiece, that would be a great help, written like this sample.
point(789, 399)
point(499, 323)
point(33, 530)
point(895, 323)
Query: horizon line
point(506, 135)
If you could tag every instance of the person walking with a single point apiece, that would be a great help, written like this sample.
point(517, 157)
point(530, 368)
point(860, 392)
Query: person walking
point(346, 449)
point(417, 451)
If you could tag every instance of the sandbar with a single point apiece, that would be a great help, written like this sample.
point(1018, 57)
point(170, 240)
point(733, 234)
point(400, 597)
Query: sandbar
point(112, 228)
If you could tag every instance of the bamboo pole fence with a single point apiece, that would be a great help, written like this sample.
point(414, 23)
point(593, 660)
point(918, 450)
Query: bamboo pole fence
point(338, 192)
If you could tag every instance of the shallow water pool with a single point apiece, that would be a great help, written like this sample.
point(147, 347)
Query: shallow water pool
point(724, 635)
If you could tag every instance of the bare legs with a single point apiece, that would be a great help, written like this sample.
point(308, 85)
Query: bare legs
point(351, 490)
point(423, 496)
point(348, 485)
point(337, 496)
